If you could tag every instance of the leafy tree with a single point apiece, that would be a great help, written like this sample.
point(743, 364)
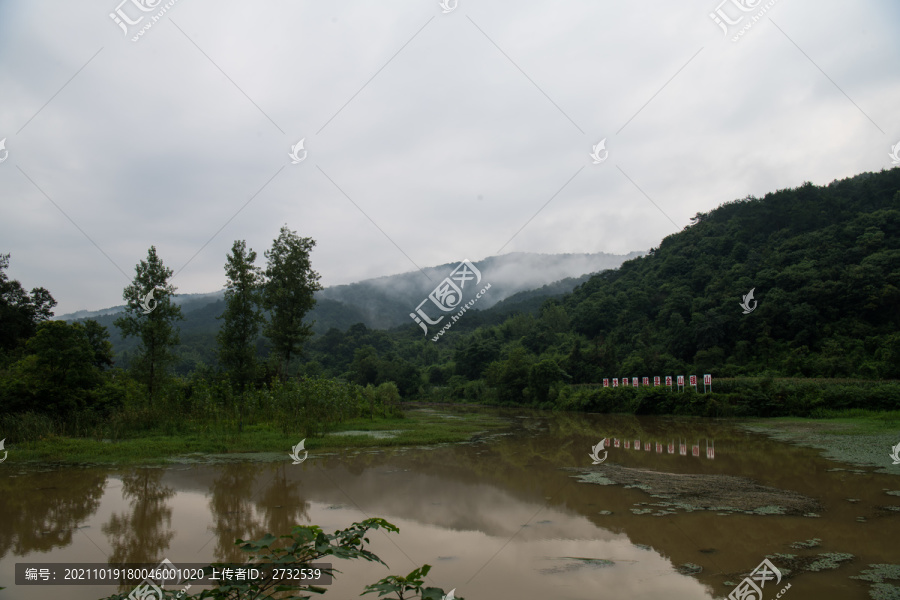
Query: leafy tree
point(20, 312)
point(473, 356)
point(288, 293)
point(58, 373)
point(98, 337)
point(365, 366)
point(509, 377)
point(541, 376)
point(151, 291)
point(242, 317)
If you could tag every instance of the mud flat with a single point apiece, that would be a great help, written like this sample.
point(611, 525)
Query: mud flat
point(690, 492)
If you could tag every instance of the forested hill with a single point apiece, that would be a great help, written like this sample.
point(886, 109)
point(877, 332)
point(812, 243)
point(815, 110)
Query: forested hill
point(824, 263)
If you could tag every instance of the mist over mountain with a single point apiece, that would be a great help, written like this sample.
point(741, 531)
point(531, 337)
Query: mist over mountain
point(517, 279)
point(386, 302)
point(383, 302)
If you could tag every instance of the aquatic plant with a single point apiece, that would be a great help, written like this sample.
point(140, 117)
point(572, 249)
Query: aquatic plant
point(813, 543)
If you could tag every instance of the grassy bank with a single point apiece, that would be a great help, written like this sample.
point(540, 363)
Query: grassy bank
point(159, 445)
point(857, 437)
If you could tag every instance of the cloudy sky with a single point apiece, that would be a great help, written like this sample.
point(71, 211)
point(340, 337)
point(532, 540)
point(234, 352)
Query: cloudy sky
point(429, 136)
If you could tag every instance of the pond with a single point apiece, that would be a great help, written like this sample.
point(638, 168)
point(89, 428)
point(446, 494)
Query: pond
point(677, 509)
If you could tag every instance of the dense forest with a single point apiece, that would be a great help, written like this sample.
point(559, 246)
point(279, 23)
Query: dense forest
point(823, 262)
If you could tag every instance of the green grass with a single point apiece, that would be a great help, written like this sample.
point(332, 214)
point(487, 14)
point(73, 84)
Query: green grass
point(850, 421)
point(156, 446)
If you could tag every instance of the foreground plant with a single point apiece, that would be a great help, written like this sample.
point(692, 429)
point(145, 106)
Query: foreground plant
point(412, 583)
point(306, 545)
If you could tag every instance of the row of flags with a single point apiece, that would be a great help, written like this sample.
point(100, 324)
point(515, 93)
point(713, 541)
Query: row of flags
point(682, 447)
point(707, 381)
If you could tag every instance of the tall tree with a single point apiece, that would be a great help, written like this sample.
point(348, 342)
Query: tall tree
point(150, 314)
point(288, 293)
point(242, 317)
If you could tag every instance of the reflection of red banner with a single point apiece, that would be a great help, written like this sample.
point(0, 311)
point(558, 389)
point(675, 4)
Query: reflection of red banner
point(670, 447)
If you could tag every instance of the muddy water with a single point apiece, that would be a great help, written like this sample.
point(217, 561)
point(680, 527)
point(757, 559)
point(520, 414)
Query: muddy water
point(508, 516)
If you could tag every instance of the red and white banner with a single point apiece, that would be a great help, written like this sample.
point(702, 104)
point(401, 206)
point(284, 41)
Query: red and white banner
point(646, 381)
point(693, 380)
point(616, 443)
point(707, 379)
point(669, 380)
point(696, 450)
point(634, 381)
point(637, 444)
point(671, 447)
point(658, 448)
point(656, 381)
point(605, 382)
point(616, 382)
point(646, 446)
point(681, 380)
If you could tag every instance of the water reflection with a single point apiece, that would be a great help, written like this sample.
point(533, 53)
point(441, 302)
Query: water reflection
point(506, 502)
point(143, 533)
point(41, 511)
point(247, 502)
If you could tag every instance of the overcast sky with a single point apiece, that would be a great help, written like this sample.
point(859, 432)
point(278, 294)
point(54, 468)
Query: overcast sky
point(430, 136)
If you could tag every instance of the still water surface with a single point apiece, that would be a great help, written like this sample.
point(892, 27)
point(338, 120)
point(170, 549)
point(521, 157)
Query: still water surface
point(502, 517)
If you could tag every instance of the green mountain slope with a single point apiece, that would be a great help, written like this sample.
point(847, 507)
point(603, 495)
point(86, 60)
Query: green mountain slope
point(824, 263)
